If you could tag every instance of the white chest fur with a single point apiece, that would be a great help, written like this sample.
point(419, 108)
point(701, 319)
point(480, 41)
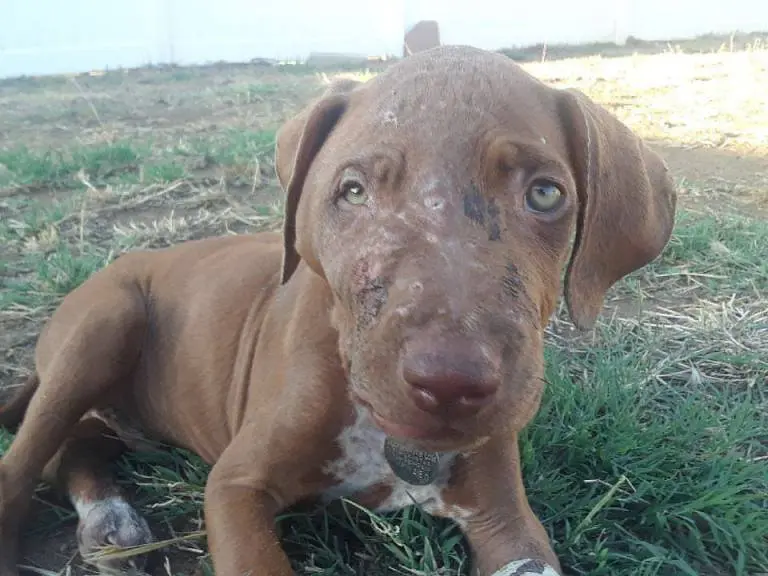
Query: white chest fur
point(362, 466)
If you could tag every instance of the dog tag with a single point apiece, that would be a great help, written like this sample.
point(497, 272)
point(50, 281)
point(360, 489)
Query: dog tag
point(415, 467)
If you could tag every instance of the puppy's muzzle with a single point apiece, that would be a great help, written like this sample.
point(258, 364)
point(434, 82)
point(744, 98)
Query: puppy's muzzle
point(449, 378)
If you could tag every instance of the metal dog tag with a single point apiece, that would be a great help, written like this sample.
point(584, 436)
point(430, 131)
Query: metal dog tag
point(415, 467)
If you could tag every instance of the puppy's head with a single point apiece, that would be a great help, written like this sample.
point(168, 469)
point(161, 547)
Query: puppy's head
point(438, 201)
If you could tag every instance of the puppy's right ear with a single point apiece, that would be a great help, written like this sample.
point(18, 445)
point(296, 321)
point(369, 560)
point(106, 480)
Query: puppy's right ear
point(298, 142)
point(627, 204)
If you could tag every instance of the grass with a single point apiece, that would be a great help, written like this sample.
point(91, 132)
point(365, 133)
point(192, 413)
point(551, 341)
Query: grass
point(727, 253)
point(649, 455)
point(685, 455)
point(132, 162)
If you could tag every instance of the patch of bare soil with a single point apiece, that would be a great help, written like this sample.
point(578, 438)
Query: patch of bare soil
point(719, 179)
point(159, 102)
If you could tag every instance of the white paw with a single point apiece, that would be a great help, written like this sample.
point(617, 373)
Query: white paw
point(526, 567)
point(112, 522)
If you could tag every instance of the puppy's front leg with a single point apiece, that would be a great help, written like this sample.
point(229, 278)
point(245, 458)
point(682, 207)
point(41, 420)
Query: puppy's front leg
point(506, 537)
point(240, 518)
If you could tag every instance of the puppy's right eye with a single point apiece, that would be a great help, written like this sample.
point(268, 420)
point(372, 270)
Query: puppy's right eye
point(543, 197)
point(353, 192)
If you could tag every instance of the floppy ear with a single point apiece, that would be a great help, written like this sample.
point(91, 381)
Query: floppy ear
point(298, 142)
point(627, 203)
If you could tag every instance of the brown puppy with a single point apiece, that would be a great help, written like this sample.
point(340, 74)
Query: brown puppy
point(399, 318)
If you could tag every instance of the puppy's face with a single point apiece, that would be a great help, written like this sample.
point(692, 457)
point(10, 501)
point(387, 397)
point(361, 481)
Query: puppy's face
point(439, 209)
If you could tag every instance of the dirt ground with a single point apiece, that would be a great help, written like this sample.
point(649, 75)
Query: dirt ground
point(198, 148)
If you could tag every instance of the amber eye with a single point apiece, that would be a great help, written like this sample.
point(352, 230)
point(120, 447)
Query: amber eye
point(353, 192)
point(543, 197)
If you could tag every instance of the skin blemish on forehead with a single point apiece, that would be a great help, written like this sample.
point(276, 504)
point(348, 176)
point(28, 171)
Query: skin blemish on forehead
point(494, 229)
point(474, 206)
point(480, 211)
point(386, 170)
point(390, 118)
point(434, 202)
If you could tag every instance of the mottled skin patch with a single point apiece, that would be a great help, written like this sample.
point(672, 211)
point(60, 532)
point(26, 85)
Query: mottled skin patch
point(363, 473)
point(371, 299)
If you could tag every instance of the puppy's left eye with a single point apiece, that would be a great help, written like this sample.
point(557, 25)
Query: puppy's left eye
point(543, 197)
point(353, 192)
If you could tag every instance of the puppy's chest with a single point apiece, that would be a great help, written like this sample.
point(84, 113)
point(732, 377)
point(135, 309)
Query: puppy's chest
point(364, 475)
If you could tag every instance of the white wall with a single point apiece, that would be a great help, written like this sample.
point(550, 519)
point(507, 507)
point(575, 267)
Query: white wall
point(494, 24)
point(282, 29)
point(50, 36)
point(663, 19)
point(61, 36)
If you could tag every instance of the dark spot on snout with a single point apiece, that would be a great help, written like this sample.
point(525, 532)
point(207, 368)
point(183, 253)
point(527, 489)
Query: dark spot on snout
point(511, 281)
point(478, 210)
point(371, 299)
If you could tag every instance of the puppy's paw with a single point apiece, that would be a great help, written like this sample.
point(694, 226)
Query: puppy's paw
point(108, 524)
point(526, 568)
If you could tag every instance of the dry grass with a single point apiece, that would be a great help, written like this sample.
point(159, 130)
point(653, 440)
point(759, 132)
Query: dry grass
point(694, 100)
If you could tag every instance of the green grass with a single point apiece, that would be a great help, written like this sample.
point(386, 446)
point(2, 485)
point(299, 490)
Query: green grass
point(726, 252)
point(232, 147)
point(29, 218)
point(690, 494)
point(43, 279)
point(253, 92)
point(5, 440)
point(54, 168)
point(649, 455)
point(130, 162)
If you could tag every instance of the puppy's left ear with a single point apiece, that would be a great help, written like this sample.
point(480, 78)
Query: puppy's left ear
point(298, 142)
point(627, 203)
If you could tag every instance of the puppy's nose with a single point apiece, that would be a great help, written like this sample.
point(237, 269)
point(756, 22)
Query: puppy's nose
point(453, 379)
